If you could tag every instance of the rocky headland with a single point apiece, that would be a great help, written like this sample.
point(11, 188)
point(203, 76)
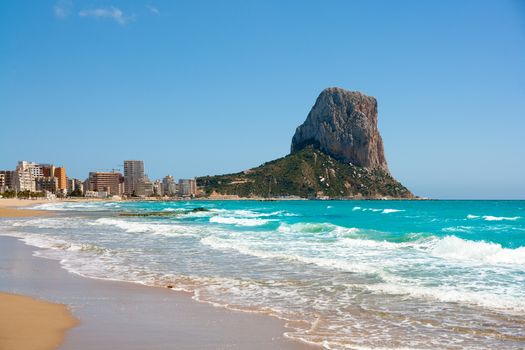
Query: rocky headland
point(336, 153)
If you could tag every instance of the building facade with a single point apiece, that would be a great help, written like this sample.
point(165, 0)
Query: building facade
point(187, 187)
point(6, 180)
point(60, 174)
point(29, 176)
point(169, 186)
point(46, 184)
point(158, 188)
point(133, 174)
point(110, 182)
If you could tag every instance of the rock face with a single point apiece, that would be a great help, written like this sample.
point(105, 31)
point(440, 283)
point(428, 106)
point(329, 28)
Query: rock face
point(343, 124)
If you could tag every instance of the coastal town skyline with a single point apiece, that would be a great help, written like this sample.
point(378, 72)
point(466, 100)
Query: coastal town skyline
point(48, 180)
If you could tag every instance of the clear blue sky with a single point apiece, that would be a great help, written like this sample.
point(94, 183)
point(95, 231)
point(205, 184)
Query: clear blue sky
point(197, 88)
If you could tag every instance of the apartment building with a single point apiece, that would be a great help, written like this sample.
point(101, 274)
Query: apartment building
point(133, 174)
point(110, 182)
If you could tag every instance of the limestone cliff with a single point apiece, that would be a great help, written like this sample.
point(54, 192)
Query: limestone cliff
point(343, 124)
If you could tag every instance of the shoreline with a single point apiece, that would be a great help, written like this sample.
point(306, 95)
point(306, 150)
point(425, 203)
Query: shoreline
point(124, 314)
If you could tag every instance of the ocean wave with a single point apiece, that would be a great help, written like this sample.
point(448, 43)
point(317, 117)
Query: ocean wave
point(245, 213)
point(452, 247)
point(493, 218)
point(49, 223)
point(388, 211)
point(500, 218)
point(378, 210)
point(77, 206)
point(129, 226)
point(458, 229)
point(451, 294)
point(317, 228)
point(252, 250)
point(238, 221)
point(47, 242)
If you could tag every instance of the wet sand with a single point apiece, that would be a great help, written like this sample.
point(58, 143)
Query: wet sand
point(130, 316)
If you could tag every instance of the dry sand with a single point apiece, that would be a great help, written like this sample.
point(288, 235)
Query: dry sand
point(29, 324)
point(10, 208)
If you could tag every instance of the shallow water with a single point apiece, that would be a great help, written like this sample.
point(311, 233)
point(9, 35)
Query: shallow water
point(346, 274)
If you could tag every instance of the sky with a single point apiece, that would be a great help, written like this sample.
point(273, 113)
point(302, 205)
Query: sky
point(209, 87)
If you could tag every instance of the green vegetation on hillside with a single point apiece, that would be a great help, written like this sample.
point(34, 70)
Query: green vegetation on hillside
point(308, 173)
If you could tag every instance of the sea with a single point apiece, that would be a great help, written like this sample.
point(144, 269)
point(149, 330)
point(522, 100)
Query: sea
point(343, 274)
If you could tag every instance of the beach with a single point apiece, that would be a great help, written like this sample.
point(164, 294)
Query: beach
point(279, 274)
point(113, 314)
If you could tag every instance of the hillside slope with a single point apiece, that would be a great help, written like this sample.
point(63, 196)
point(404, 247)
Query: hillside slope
point(307, 173)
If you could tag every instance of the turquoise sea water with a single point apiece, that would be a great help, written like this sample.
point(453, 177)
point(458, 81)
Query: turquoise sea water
point(345, 274)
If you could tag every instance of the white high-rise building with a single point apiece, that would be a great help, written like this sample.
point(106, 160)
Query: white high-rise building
point(133, 174)
point(25, 175)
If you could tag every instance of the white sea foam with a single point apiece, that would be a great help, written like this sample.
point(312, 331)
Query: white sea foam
point(49, 223)
point(228, 220)
point(129, 226)
point(500, 218)
point(494, 218)
point(317, 228)
point(378, 210)
point(452, 247)
point(388, 211)
point(77, 206)
point(252, 249)
point(452, 294)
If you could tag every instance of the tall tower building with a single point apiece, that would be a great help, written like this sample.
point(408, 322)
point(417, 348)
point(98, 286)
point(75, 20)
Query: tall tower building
point(60, 174)
point(133, 174)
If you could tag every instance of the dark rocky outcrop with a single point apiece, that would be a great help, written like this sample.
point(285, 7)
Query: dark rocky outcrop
point(343, 124)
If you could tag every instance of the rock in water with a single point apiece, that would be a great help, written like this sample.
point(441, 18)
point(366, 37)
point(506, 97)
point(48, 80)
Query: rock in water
point(343, 124)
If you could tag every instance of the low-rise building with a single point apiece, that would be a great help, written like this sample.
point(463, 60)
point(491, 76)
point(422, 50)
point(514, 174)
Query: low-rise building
point(46, 183)
point(6, 180)
point(144, 187)
point(74, 185)
point(158, 188)
point(96, 194)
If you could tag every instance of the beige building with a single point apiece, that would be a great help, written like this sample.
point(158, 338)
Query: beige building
point(33, 177)
point(169, 186)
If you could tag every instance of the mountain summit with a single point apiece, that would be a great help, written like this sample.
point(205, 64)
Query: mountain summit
point(343, 124)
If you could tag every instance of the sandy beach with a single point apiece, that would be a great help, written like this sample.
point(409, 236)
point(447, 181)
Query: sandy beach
point(27, 324)
point(10, 208)
point(112, 314)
